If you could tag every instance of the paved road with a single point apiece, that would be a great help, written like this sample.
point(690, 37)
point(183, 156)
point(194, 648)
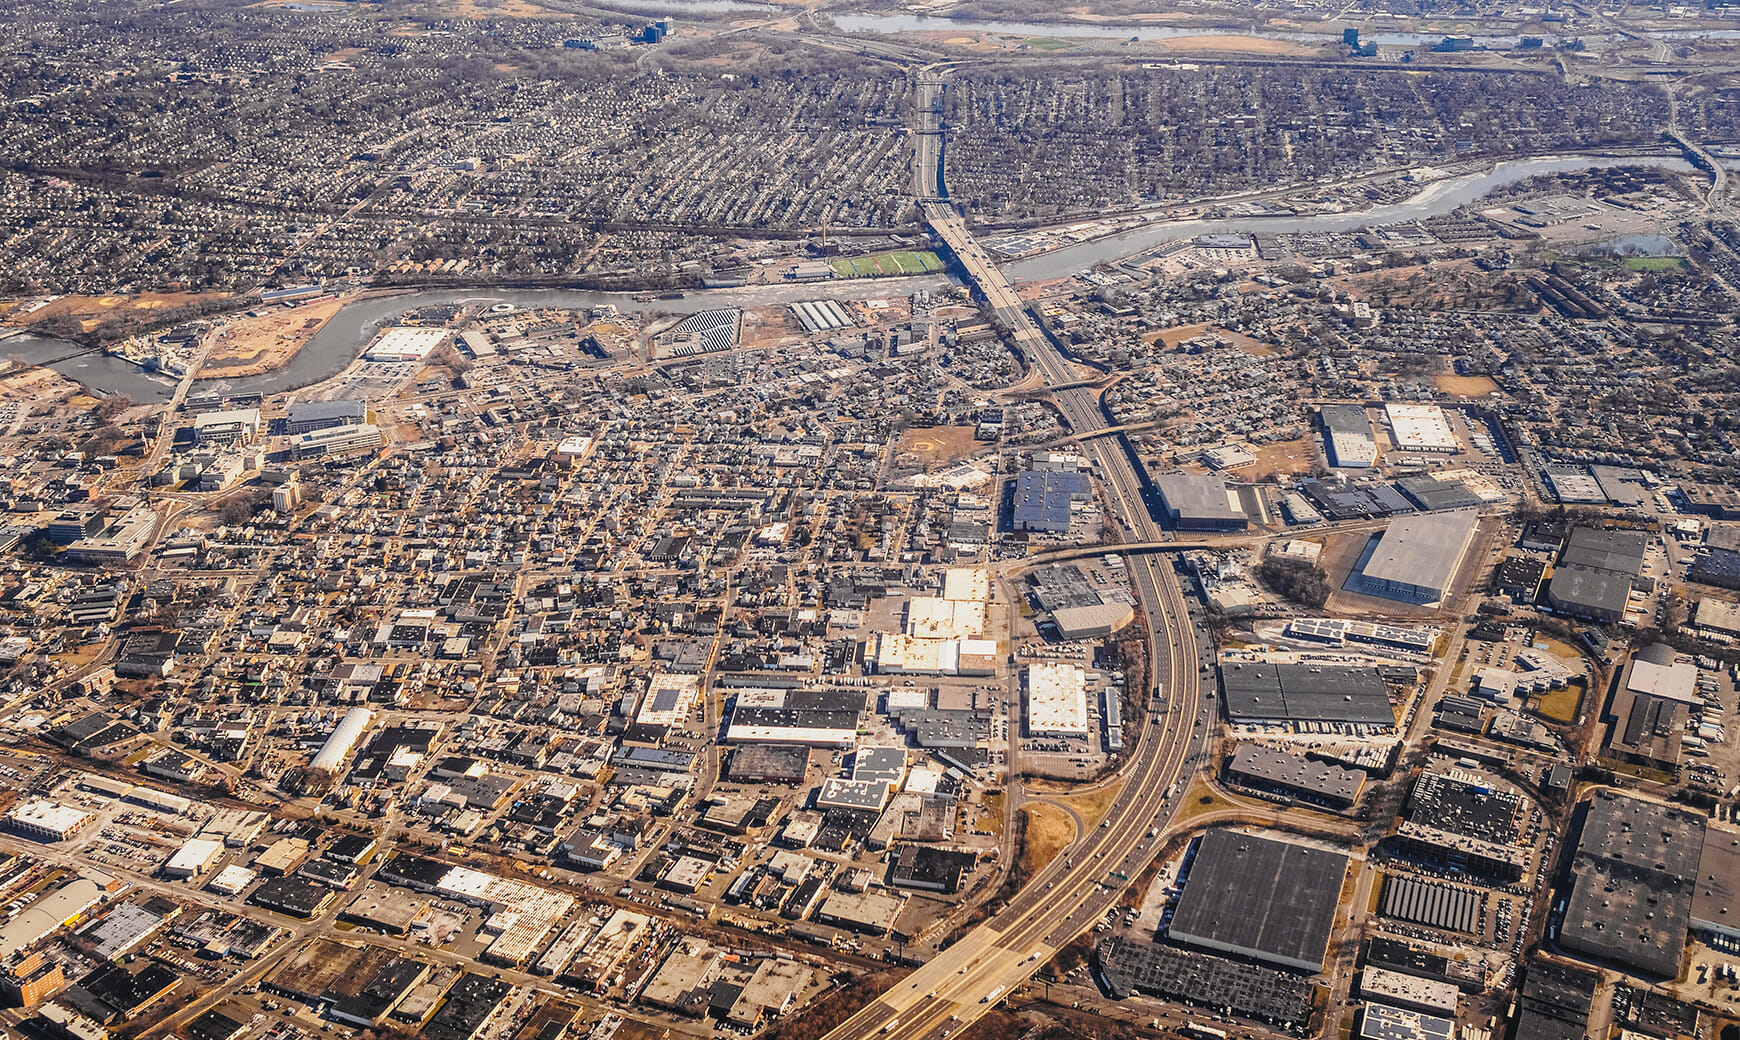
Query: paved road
point(958, 985)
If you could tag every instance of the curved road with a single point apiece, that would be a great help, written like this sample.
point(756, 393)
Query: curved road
point(958, 985)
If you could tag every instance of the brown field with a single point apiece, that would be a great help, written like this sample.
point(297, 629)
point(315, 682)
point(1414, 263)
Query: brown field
point(254, 345)
point(1049, 832)
point(1249, 44)
point(94, 310)
point(1467, 386)
point(1093, 805)
point(1295, 456)
point(938, 444)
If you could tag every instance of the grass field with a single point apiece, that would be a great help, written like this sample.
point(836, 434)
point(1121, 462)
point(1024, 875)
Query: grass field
point(1049, 43)
point(1561, 705)
point(1656, 263)
point(1049, 832)
point(888, 265)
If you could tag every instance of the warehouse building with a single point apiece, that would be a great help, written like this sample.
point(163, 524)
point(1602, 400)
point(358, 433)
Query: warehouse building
point(335, 753)
point(871, 912)
point(1043, 499)
point(1347, 436)
point(1321, 783)
point(1420, 427)
point(825, 718)
point(1195, 502)
point(1594, 576)
point(1314, 694)
point(1716, 902)
point(1262, 898)
point(45, 821)
point(1633, 878)
point(1056, 701)
point(193, 858)
point(1416, 558)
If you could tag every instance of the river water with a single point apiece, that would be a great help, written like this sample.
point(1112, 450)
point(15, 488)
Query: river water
point(343, 338)
point(1437, 199)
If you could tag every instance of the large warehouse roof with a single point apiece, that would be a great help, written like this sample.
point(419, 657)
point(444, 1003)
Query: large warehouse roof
point(1262, 692)
point(1634, 875)
point(1419, 553)
point(1262, 898)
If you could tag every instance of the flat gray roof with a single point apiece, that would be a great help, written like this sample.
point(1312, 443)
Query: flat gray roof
point(1421, 549)
point(1263, 898)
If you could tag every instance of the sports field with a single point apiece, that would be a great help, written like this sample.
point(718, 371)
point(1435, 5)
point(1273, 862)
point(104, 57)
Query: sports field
point(888, 264)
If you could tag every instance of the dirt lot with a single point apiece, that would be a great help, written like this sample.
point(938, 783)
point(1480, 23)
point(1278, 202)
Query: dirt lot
point(254, 345)
point(937, 444)
point(1467, 386)
point(1249, 44)
point(1295, 456)
point(94, 310)
point(1049, 832)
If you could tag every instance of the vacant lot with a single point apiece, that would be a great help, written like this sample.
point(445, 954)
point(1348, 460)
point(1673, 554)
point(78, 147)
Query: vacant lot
point(254, 345)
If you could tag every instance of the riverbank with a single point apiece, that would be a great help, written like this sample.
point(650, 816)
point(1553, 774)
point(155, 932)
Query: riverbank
point(267, 342)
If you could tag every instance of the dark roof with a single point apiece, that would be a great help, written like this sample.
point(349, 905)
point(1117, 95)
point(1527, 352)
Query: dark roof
point(1589, 589)
point(1606, 550)
point(1306, 693)
point(1633, 878)
point(1202, 979)
point(1268, 899)
point(758, 763)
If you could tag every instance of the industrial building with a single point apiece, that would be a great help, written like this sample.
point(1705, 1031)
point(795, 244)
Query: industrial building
point(1347, 436)
point(46, 821)
point(1594, 576)
point(1416, 558)
point(1195, 502)
point(120, 542)
point(405, 343)
point(335, 754)
point(1043, 500)
point(1633, 878)
point(1295, 776)
point(1263, 898)
point(1056, 701)
point(1384, 1022)
point(193, 858)
point(1262, 693)
point(1420, 427)
point(826, 717)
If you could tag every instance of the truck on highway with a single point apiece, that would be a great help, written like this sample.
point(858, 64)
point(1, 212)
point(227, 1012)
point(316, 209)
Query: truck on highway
point(991, 997)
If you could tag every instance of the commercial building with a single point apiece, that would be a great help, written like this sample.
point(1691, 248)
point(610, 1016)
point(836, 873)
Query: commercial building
point(1347, 436)
point(238, 426)
point(1199, 502)
point(1428, 996)
point(1383, 1022)
point(1056, 701)
point(1262, 898)
point(405, 343)
point(337, 440)
point(1420, 427)
point(42, 820)
point(321, 415)
point(871, 912)
point(1092, 621)
point(1633, 878)
point(1416, 558)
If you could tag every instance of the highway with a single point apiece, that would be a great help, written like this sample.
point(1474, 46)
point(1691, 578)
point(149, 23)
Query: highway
point(959, 984)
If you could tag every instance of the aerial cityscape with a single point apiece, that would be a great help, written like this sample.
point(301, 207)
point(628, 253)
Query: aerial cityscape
point(854, 520)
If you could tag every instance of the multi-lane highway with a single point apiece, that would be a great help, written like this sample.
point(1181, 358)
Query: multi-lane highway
point(958, 985)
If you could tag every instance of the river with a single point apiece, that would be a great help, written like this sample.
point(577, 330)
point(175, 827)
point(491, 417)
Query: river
point(343, 338)
point(1435, 200)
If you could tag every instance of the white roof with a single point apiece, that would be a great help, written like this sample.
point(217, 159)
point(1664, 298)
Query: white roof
point(1056, 699)
point(194, 855)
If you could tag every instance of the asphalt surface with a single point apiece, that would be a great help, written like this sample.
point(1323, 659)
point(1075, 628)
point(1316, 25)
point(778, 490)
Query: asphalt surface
point(960, 984)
